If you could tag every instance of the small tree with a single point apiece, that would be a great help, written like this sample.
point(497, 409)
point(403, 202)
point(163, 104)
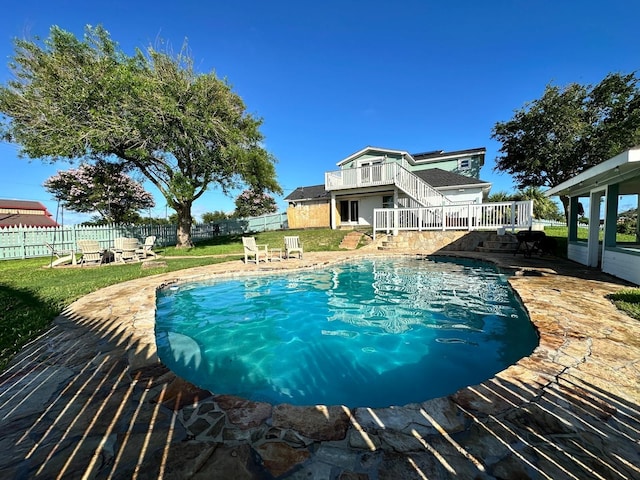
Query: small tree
point(543, 207)
point(213, 217)
point(253, 204)
point(103, 188)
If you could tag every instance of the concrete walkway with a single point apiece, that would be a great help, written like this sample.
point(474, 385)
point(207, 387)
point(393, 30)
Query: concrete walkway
point(89, 400)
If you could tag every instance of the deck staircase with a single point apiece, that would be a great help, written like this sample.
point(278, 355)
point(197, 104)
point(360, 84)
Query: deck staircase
point(387, 173)
point(418, 189)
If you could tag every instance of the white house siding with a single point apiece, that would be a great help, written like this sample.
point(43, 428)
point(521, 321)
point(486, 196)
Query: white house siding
point(622, 265)
point(365, 209)
point(578, 252)
point(469, 195)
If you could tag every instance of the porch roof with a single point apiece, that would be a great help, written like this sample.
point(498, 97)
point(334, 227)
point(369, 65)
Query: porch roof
point(623, 169)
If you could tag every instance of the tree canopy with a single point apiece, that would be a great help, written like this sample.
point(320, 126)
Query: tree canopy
point(568, 130)
point(213, 217)
point(102, 188)
point(84, 99)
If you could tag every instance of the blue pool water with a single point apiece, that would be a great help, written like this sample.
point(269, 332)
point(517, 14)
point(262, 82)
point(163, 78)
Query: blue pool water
point(374, 333)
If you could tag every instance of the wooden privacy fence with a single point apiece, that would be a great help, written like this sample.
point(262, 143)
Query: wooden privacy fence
point(28, 242)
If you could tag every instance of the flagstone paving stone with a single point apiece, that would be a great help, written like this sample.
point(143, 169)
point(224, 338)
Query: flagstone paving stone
point(89, 399)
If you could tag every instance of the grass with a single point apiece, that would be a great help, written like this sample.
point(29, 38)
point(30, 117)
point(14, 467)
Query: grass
point(31, 295)
point(627, 300)
point(313, 240)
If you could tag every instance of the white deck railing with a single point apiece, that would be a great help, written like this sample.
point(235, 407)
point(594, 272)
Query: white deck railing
point(386, 173)
point(485, 216)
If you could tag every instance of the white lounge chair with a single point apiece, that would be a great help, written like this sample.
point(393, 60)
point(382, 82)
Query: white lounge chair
point(62, 255)
point(292, 245)
point(146, 249)
point(251, 249)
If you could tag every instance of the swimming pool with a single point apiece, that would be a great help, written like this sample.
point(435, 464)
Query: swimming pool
point(377, 332)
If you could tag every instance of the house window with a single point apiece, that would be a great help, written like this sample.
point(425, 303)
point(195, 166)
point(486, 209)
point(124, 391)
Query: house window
point(387, 201)
point(464, 164)
point(371, 170)
point(349, 211)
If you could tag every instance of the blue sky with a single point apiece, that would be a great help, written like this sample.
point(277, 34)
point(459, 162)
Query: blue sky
point(332, 77)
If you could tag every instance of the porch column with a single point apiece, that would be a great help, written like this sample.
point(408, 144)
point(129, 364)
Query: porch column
point(332, 211)
point(396, 219)
point(573, 219)
point(611, 215)
point(593, 243)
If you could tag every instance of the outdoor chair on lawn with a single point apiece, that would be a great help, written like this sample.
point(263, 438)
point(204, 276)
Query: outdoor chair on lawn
point(91, 251)
point(146, 249)
point(292, 245)
point(257, 251)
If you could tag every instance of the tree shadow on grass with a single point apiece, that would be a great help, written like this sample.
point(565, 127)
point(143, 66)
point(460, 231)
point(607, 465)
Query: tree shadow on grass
point(21, 314)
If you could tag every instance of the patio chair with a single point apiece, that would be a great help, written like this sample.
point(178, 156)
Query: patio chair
point(257, 251)
point(91, 251)
point(129, 248)
point(146, 249)
point(292, 245)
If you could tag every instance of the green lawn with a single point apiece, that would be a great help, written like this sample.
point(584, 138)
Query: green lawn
point(32, 295)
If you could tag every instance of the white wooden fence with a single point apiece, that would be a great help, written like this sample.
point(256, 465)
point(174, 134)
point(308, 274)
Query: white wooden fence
point(29, 242)
point(484, 216)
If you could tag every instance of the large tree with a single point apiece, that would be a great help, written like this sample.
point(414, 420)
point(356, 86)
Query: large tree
point(103, 188)
point(84, 99)
point(568, 130)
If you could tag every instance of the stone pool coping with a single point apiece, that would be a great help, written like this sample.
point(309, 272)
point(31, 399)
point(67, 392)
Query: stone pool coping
point(570, 410)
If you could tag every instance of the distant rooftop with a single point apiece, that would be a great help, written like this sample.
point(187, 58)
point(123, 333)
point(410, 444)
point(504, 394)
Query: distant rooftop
point(26, 213)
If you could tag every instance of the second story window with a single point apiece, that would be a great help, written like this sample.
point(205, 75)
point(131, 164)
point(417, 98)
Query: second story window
point(464, 164)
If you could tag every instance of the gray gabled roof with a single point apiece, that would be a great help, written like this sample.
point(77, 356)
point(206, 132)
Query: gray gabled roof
point(313, 192)
point(436, 177)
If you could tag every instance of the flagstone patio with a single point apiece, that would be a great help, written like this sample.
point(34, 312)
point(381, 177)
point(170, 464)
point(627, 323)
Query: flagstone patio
point(89, 399)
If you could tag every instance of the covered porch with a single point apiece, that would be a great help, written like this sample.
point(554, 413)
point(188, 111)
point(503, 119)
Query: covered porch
point(605, 189)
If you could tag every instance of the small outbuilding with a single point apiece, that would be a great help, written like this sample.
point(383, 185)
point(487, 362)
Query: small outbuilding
point(602, 187)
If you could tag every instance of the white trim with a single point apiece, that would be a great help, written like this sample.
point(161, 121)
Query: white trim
point(376, 149)
point(609, 171)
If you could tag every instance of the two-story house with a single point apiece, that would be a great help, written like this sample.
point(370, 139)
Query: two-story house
point(374, 178)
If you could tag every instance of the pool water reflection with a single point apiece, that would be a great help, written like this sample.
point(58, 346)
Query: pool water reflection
point(376, 332)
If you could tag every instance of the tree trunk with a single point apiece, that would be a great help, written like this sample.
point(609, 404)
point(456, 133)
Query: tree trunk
point(184, 225)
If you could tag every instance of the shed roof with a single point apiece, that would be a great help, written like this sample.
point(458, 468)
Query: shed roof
point(313, 192)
